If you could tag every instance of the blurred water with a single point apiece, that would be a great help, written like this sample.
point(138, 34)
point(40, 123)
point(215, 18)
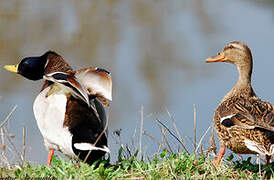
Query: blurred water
point(155, 51)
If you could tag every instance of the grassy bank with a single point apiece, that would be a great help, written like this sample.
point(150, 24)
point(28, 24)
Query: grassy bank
point(164, 165)
point(176, 166)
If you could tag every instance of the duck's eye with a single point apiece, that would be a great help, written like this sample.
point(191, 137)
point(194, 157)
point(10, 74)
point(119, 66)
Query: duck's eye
point(228, 47)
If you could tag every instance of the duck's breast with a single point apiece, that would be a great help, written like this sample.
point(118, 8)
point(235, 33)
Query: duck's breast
point(49, 111)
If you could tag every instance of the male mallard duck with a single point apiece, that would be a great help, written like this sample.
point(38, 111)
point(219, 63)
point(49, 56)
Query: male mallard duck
point(243, 122)
point(69, 109)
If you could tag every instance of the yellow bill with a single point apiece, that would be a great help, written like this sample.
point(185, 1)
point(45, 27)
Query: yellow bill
point(12, 68)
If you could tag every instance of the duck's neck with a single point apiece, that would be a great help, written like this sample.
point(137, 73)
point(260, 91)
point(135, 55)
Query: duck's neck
point(245, 71)
point(243, 86)
point(56, 63)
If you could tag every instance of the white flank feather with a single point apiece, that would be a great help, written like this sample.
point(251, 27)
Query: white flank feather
point(227, 117)
point(253, 146)
point(88, 146)
point(272, 149)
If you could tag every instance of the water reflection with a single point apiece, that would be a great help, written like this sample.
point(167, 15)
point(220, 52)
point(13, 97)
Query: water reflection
point(154, 49)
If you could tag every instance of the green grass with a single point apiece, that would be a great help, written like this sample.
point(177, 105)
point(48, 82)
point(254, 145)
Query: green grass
point(164, 166)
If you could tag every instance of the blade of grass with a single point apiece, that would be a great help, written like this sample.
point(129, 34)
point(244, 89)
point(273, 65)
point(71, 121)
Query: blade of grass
point(141, 134)
point(163, 133)
point(151, 137)
point(168, 145)
point(128, 152)
point(260, 170)
point(157, 120)
point(134, 140)
point(161, 144)
point(8, 116)
point(212, 145)
point(195, 128)
point(16, 152)
point(200, 142)
point(176, 129)
point(3, 148)
point(23, 146)
point(2, 138)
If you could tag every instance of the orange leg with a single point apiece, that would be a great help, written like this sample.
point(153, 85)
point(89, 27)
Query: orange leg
point(220, 154)
point(51, 152)
point(268, 158)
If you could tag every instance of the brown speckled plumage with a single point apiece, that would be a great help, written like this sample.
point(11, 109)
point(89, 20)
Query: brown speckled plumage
point(233, 138)
point(243, 122)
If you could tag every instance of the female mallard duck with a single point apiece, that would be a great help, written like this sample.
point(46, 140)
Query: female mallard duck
point(243, 122)
point(69, 109)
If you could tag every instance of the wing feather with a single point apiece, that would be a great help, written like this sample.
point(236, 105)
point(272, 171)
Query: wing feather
point(97, 81)
point(70, 82)
point(248, 115)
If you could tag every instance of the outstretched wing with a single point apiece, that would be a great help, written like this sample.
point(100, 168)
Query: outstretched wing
point(97, 81)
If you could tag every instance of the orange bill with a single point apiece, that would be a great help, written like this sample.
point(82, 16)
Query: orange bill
point(220, 57)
